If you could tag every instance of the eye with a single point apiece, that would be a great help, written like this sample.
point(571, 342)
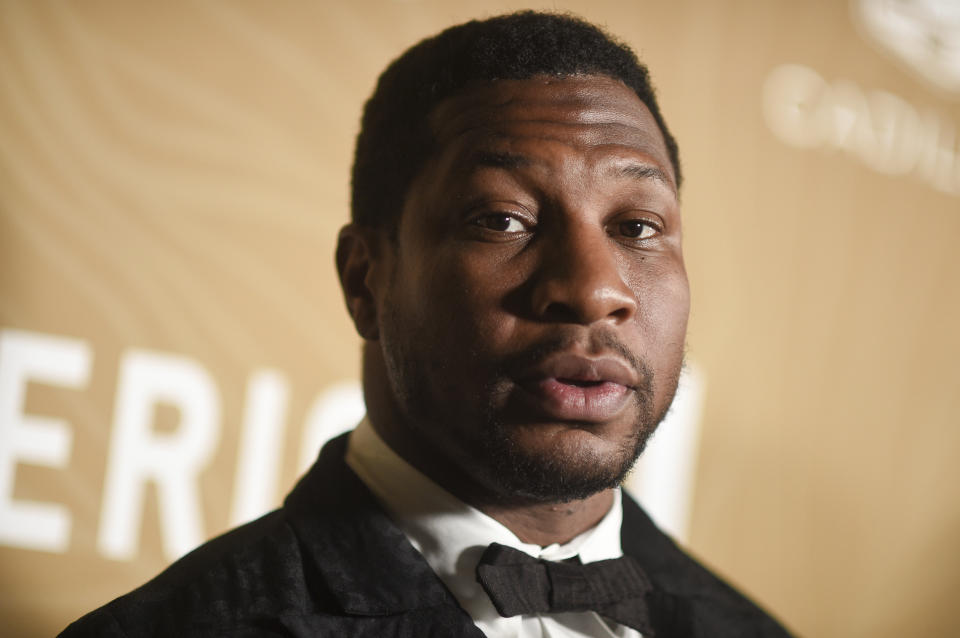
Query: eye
point(500, 222)
point(637, 229)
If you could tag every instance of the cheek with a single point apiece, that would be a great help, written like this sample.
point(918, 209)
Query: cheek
point(456, 303)
point(672, 305)
point(477, 283)
point(664, 305)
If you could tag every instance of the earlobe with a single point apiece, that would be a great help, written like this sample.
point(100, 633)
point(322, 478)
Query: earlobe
point(356, 255)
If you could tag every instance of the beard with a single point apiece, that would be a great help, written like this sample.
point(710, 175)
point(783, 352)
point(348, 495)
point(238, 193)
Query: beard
point(559, 476)
point(481, 438)
point(534, 476)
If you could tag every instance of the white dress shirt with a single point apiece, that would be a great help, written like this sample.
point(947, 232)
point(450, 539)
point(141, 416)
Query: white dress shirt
point(452, 536)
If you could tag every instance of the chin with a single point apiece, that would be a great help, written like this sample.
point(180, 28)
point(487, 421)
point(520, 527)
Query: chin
point(558, 466)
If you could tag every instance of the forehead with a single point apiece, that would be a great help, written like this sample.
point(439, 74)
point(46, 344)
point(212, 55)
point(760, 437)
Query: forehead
point(596, 115)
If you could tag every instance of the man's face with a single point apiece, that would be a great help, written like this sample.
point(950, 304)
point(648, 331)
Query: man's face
point(533, 316)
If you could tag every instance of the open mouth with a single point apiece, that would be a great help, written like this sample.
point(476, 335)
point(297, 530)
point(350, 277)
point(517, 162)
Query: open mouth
point(581, 400)
point(581, 383)
point(571, 387)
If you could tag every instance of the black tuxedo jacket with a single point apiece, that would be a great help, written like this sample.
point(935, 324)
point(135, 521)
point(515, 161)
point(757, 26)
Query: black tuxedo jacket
point(331, 563)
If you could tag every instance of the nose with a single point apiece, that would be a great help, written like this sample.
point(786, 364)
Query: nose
point(580, 279)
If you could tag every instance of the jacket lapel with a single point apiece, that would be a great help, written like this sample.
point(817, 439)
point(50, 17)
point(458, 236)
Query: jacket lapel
point(687, 599)
point(366, 561)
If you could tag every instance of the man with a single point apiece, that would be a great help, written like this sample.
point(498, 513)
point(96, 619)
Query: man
point(514, 267)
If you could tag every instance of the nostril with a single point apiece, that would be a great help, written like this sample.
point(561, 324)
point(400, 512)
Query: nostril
point(561, 312)
point(589, 308)
point(623, 313)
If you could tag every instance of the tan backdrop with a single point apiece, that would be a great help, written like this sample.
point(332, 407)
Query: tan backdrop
point(172, 177)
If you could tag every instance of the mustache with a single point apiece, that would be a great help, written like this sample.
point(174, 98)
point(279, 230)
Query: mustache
point(595, 342)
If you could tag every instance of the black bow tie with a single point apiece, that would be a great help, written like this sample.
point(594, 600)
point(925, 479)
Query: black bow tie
point(520, 584)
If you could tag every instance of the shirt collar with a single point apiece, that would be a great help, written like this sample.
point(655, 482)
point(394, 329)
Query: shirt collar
point(452, 535)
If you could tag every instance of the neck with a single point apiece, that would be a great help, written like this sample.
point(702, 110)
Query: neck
point(547, 523)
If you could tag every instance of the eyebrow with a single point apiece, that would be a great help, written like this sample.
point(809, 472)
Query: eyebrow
point(643, 172)
point(499, 159)
point(496, 159)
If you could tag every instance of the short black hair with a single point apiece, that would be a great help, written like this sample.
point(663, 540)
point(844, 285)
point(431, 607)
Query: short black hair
point(395, 139)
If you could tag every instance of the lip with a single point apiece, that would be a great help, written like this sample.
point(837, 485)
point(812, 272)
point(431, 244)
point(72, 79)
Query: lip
point(570, 387)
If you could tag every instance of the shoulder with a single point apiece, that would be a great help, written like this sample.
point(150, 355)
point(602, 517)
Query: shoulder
point(243, 579)
point(249, 581)
point(690, 595)
point(328, 563)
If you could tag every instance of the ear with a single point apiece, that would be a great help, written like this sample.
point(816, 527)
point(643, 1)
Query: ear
point(358, 250)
